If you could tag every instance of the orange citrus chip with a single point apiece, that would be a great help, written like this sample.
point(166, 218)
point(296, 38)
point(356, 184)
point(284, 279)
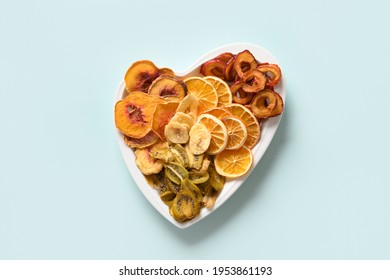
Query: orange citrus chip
point(250, 121)
point(203, 91)
point(223, 90)
point(218, 112)
point(233, 163)
point(218, 133)
point(237, 133)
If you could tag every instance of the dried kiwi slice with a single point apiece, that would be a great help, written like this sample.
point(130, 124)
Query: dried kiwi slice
point(202, 187)
point(184, 206)
point(180, 154)
point(198, 160)
point(175, 172)
point(198, 178)
point(175, 188)
point(188, 185)
point(216, 181)
point(167, 196)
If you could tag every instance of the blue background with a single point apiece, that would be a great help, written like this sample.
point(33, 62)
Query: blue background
point(320, 192)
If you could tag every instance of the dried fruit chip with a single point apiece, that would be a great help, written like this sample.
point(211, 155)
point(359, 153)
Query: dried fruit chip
point(263, 103)
point(140, 76)
point(233, 163)
point(213, 68)
point(133, 115)
point(223, 90)
point(279, 106)
point(250, 121)
point(272, 72)
point(237, 133)
point(146, 163)
point(218, 112)
point(218, 133)
point(244, 62)
point(162, 115)
point(148, 140)
point(168, 87)
point(203, 91)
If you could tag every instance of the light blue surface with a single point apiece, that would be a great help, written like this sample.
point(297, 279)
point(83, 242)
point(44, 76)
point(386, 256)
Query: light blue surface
point(322, 190)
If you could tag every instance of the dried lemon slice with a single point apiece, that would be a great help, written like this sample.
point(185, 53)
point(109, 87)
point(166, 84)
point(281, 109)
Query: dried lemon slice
point(218, 133)
point(250, 121)
point(237, 133)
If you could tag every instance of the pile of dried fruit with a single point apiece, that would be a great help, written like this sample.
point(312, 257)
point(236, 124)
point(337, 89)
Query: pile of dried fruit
point(190, 134)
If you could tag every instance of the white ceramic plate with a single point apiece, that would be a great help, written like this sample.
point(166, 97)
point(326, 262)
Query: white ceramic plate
point(268, 130)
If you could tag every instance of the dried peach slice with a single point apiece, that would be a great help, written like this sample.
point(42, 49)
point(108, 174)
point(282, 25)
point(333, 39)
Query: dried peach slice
point(168, 87)
point(166, 71)
point(146, 164)
point(244, 62)
point(149, 139)
point(134, 114)
point(162, 115)
point(140, 76)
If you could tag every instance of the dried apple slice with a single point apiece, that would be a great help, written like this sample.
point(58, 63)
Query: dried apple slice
point(134, 114)
point(162, 115)
point(279, 107)
point(239, 95)
point(168, 87)
point(213, 68)
point(263, 103)
point(224, 57)
point(272, 72)
point(253, 81)
point(230, 72)
point(244, 62)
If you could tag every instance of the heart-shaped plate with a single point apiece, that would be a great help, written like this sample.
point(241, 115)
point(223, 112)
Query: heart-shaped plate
point(268, 130)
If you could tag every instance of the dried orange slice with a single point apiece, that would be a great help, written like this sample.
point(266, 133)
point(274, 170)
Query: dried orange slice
point(223, 90)
point(218, 133)
point(203, 91)
point(237, 133)
point(233, 163)
point(218, 112)
point(250, 121)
